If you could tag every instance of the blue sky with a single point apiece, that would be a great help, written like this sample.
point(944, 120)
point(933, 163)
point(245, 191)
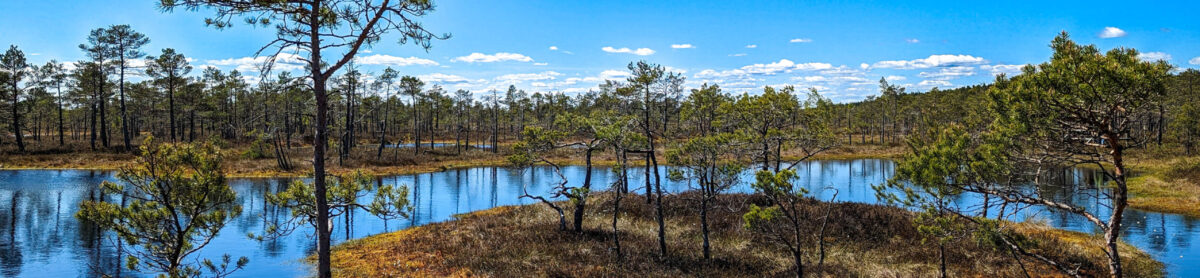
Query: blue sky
point(841, 48)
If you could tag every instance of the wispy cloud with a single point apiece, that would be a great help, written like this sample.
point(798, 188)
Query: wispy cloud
point(498, 57)
point(800, 40)
point(1154, 56)
point(682, 46)
point(912, 40)
point(1112, 32)
point(442, 78)
point(751, 46)
point(553, 47)
point(931, 61)
point(737, 54)
point(783, 65)
point(640, 51)
point(933, 83)
point(1002, 69)
point(521, 77)
point(948, 73)
point(389, 60)
point(283, 62)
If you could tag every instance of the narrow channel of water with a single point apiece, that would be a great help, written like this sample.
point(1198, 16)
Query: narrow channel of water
point(39, 236)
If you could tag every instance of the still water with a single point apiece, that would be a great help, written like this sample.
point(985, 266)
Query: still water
point(40, 237)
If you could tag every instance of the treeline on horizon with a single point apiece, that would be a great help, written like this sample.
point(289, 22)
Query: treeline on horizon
point(94, 106)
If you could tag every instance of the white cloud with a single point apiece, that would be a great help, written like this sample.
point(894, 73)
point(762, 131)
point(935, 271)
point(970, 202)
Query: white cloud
point(576, 90)
point(674, 69)
point(1194, 61)
point(801, 40)
point(912, 40)
point(521, 77)
point(1112, 32)
point(864, 66)
point(251, 79)
point(498, 57)
point(389, 60)
point(931, 61)
point(948, 73)
point(1154, 56)
point(442, 78)
point(1002, 69)
point(640, 51)
point(771, 68)
point(751, 46)
point(813, 66)
point(933, 83)
point(681, 46)
point(842, 70)
point(613, 74)
point(737, 54)
point(783, 65)
point(553, 47)
point(540, 64)
point(283, 62)
point(568, 85)
point(895, 78)
point(829, 79)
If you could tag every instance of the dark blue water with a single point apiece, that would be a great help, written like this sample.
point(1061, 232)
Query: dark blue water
point(39, 236)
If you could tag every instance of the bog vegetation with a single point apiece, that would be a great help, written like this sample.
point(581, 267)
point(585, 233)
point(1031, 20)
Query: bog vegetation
point(1082, 107)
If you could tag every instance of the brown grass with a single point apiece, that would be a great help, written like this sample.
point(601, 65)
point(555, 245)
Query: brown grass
point(363, 158)
point(863, 241)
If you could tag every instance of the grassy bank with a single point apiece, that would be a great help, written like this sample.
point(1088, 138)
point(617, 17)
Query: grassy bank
point(391, 162)
point(862, 241)
point(1167, 185)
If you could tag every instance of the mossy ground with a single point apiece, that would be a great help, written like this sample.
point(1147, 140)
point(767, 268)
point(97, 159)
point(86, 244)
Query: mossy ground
point(1170, 185)
point(862, 241)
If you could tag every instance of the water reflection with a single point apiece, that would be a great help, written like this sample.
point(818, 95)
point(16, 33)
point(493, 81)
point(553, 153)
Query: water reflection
point(40, 237)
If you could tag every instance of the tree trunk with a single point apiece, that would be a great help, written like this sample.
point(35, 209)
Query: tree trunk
point(416, 114)
point(92, 119)
point(383, 128)
point(619, 193)
point(658, 206)
point(587, 185)
point(319, 144)
point(16, 116)
point(495, 129)
point(171, 100)
point(125, 132)
point(799, 261)
point(649, 187)
point(704, 225)
point(103, 119)
point(61, 140)
point(1161, 122)
point(942, 257)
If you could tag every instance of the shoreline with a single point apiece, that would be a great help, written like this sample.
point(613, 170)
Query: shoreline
point(475, 158)
point(1154, 184)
